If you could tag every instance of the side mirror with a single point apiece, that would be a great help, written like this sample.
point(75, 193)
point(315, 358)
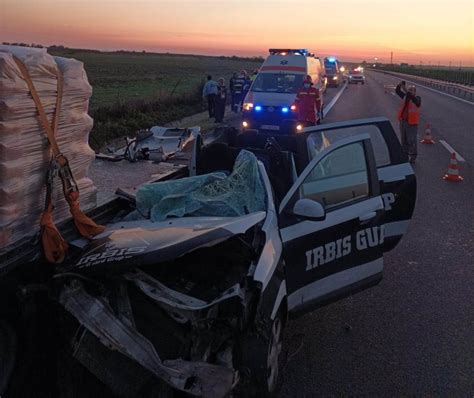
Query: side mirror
point(309, 209)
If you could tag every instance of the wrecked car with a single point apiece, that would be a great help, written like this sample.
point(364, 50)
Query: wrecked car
point(191, 285)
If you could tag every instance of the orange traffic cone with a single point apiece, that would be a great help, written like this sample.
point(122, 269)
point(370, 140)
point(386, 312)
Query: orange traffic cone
point(427, 139)
point(453, 170)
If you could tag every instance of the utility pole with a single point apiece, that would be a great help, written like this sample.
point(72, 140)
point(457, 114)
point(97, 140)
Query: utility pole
point(391, 57)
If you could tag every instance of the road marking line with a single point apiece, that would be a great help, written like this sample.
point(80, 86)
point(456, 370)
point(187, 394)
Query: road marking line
point(451, 150)
point(334, 100)
point(417, 84)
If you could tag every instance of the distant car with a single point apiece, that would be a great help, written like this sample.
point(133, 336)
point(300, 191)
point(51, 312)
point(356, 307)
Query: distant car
point(356, 76)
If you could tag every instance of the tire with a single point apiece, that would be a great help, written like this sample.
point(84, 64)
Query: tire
point(363, 82)
point(261, 356)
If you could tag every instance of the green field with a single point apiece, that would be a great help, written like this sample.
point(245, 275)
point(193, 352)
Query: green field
point(133, 91)
point(122, 76)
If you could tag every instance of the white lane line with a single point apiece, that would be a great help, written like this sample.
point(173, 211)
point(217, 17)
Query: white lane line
point(451, 150)
point(417, 84)
point(328, 107)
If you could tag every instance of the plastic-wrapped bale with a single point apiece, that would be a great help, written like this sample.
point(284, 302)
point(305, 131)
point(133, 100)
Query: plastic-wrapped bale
point(24, 149)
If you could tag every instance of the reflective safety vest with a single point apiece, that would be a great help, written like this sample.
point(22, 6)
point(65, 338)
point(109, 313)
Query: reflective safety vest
point(410, 112)
point(308, 102)
point(241, 85)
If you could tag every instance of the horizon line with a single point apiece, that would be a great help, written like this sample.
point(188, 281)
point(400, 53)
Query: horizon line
point(255, 57)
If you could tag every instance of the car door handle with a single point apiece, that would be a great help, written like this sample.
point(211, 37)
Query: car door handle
point(367, 217)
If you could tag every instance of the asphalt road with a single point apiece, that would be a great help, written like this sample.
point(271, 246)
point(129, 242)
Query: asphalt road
point(413, 334)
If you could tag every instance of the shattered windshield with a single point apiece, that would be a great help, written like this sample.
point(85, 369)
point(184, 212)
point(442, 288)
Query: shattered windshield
point(213, 195)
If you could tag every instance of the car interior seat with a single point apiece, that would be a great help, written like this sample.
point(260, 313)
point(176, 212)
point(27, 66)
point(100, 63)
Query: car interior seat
point(217, 156)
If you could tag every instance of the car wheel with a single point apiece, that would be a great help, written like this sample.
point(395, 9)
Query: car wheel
point(363, 82)
point(261, 356)
point(8, 348)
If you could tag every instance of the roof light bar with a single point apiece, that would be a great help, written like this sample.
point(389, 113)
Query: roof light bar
point(288, 51)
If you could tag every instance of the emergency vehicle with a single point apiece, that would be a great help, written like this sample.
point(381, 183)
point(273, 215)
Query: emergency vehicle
point(334, 73)
point(269, 106)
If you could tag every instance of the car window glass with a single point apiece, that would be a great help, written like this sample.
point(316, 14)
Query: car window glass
point(277, 83)
point(339, 178)
point(322, 139)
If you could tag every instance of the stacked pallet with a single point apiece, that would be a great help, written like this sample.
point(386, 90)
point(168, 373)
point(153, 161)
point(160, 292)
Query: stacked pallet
point(24, 151)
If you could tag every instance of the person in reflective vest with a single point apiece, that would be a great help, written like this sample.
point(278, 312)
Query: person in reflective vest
point(241, 87)
point(409, 118)
point(254, 75)
point(308, 103)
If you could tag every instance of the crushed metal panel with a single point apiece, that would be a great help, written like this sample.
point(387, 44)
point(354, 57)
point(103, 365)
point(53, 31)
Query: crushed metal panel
point(173, 300)
point(196, 378)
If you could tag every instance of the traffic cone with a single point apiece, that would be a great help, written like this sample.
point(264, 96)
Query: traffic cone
point(453, 170)
point(427, 139)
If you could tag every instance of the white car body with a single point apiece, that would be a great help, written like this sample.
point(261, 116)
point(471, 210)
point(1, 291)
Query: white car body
point(356, 76)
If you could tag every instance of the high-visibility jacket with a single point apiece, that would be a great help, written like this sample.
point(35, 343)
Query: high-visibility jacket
point(410, 112)
point(308, 103)
point(241, 85)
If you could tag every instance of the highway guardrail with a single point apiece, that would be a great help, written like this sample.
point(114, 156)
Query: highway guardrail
point(456, 89)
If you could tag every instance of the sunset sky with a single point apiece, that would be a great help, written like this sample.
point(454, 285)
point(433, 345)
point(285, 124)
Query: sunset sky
point(415, 30)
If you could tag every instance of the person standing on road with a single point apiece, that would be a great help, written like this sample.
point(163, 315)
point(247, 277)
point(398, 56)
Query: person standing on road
point(246, 87)
point(221, 100)
point(409, 118)
point(241, 87)
point(308, 103)
point(232, 91)
point(209, 93)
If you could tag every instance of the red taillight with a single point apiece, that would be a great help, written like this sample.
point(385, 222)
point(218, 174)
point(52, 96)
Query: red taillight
point(293, 107)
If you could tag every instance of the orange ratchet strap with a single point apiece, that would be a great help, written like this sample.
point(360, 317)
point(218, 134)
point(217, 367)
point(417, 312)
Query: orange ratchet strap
point(54, 245)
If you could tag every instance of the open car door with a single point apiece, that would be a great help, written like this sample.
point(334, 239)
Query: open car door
point(331, 224)
point(396, 177)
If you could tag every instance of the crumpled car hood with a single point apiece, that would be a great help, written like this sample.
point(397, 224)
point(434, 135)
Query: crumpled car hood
point(131, 244)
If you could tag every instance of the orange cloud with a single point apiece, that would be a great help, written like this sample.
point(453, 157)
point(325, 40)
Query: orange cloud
point(425, 30)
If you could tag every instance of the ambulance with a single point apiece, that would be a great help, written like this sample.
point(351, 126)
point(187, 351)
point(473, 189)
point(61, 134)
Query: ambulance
point(333, 71)
point(269, 106)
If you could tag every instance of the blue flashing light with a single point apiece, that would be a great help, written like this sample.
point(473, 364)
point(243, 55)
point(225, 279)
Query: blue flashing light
point(258, 108)
point(285, 109)
point(332, 59)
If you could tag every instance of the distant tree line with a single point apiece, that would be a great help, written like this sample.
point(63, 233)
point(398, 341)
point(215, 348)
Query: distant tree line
point(61, 48)
point(33, 45)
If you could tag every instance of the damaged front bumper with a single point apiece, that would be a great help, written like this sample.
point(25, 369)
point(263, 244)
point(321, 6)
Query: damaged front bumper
point(116, 333)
